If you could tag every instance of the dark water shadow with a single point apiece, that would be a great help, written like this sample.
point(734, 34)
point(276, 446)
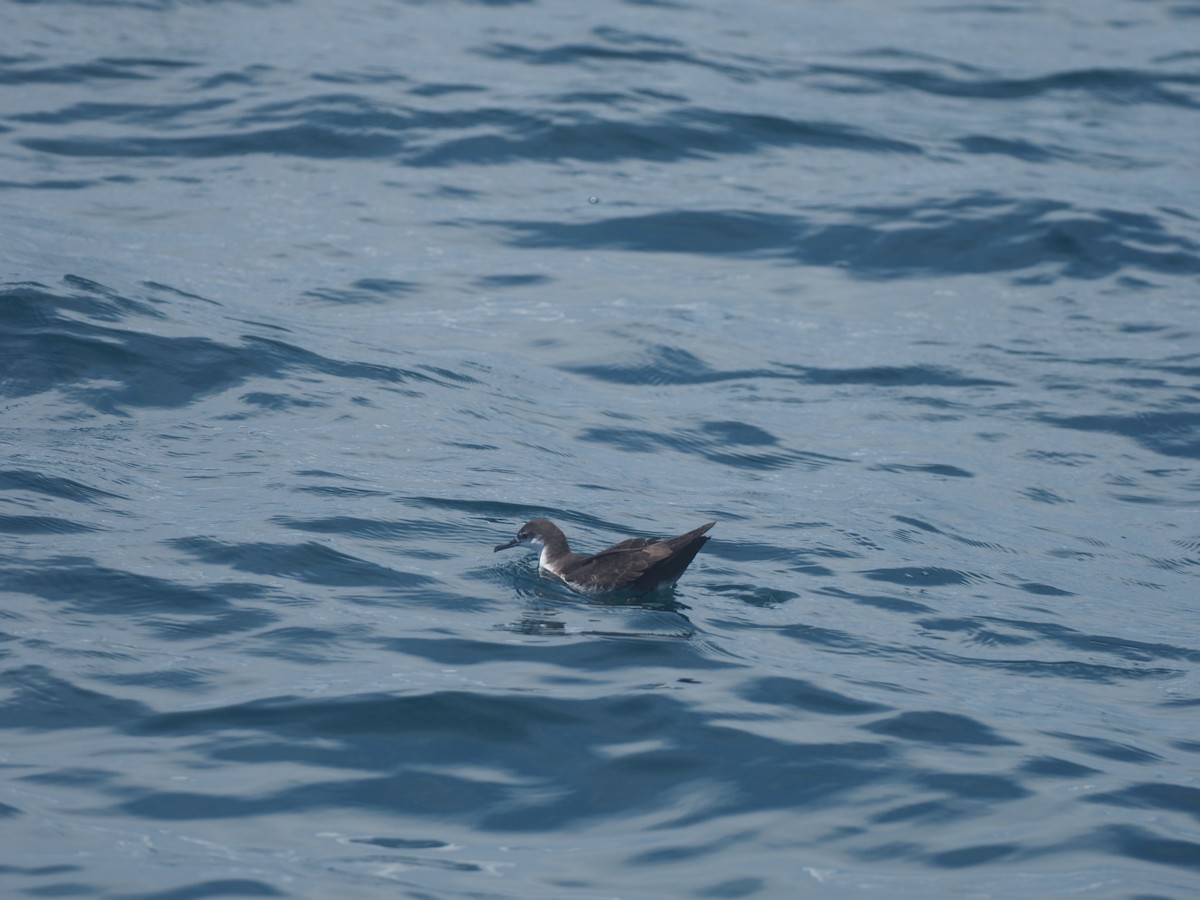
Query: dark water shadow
point(976, 234)
point(309, 562)
point(554, 756)
point(68, 341)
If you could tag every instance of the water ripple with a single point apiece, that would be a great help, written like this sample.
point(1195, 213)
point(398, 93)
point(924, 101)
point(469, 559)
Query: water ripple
point(970, 235)
point(539, 764)
point(1105, 85)
point(309, 305)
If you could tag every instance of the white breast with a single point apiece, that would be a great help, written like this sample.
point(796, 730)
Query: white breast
point(544, 562)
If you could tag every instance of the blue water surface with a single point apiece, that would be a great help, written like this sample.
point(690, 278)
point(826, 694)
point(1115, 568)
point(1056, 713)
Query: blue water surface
point(305, 306)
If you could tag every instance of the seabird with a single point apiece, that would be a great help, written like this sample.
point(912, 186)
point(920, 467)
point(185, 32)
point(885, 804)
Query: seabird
point(636, 564)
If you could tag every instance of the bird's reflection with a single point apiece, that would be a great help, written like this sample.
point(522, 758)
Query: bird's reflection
point(549, 606)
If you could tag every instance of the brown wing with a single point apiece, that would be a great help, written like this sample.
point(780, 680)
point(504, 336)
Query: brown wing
point(630, 544)
point(682, 550)
point(621, 564)
point(641, 563)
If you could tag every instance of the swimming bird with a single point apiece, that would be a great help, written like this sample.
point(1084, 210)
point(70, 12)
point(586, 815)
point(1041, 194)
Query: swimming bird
point(636, 564)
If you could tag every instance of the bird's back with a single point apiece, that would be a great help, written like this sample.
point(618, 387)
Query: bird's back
point(639, 564)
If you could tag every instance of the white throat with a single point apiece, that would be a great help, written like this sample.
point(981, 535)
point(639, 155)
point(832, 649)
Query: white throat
point(544, 559)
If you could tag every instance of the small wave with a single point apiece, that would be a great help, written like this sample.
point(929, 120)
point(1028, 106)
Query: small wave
point(309, 562)
point(923, 576)
point(28, 70)
point(1167, 432)
point(160, 605)
point(1144, 843)
point(1170, 798)
point(715, 441)
point(52, 486)
point(801, 694)
point(932, 726)
point(1104, 85)
point(406, 755)
point(41, 525)
point(68, 343)
point(984, 233)
point(39, 699)
point(365, 290)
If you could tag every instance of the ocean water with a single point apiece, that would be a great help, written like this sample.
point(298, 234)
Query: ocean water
point(305, 306)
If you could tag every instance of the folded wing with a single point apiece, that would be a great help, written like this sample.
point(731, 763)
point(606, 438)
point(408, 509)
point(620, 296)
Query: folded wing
point(641, 564)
